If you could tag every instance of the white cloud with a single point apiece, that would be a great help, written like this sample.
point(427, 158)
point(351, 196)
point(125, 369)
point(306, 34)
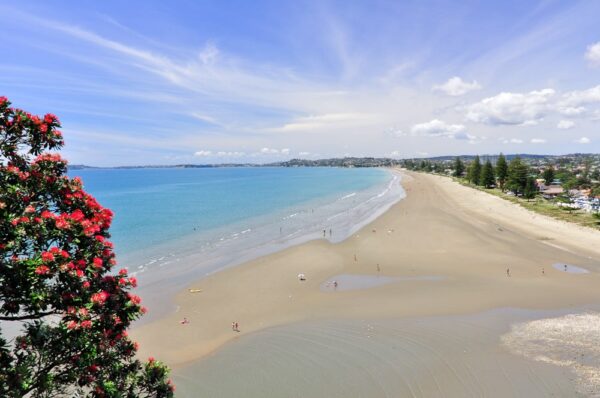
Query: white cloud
point(583, 140)
point(274, 151)
point(204, 118)
point(455, 87)
point(304, 153)
point(577, 98)
point(437, 128)
point(565, 124)
point(571, 110)
point(396, 132)
point(511, 140)
point(209, 54)
point(511, 108)
point(230, 154)
point(326, 121)
point(593, 54)
point(538, 141)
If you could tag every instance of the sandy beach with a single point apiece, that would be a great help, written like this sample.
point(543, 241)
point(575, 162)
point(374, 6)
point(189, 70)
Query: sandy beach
point(444, 250)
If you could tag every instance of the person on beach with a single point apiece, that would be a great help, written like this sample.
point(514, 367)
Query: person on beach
point(324, 233)
point(330, 232)
point(378, 268)
point(233, 326)
point(355, 258)
point(565, 267)
point(237, 327)
point(184, 321)
point(508, 272)
point(543, 271)
point(335, 284)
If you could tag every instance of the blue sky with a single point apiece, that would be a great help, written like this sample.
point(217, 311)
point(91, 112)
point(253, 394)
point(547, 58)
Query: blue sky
point(148, 82)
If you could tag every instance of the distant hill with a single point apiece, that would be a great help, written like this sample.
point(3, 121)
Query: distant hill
point(357, 162)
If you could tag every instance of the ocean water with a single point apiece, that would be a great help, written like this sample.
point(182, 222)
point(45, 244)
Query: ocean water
point(175, 224)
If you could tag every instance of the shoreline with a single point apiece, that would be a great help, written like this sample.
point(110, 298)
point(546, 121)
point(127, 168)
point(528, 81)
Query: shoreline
point(193, 262)
point(440, 228)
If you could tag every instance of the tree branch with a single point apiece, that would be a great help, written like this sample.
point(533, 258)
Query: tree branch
point(26, 317)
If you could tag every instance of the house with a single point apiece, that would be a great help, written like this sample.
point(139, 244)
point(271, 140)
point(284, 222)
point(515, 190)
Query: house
point(551, 191)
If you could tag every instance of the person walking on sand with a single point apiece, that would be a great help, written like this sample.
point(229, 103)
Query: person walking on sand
point(335, 284)
point(565, 267)
point(508, 272)
point(324, 233)
point(237, 327)
point(233, 326)
point(355, 257)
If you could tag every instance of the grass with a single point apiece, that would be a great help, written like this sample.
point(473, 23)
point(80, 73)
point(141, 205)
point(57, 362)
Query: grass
point(543, 206)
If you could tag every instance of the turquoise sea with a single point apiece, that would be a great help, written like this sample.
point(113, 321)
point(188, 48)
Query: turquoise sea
point(173, 224)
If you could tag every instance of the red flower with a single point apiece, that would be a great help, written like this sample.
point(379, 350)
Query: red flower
point(47, 256)
point(97, 262)
point(50, 118)
point(87, 324)
point(77, 215)
point(72, 325)
point(42, 270)
point(86, 285)
point(100, 298)
point(134, 299)
point(47, 214)
point(61, 223)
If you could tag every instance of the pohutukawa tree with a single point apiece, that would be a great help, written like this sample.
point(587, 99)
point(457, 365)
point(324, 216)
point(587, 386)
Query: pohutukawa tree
point(65, 306)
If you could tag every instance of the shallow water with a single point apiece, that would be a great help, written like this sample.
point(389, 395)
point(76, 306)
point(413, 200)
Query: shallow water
point(571, 269)
point(450, 356)
point(358, 281)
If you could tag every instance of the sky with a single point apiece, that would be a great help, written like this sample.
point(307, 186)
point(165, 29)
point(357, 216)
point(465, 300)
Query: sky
point(171, 82)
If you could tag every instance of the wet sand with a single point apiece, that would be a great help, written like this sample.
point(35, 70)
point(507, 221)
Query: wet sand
point(466, 238)
point(443, 356)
